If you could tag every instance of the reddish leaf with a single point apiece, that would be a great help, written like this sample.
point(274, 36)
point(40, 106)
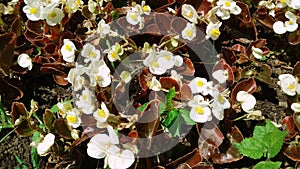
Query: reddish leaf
point(296, 70)
point(222, 65)
point(62, 128)
point(293, 151)
point(296, 117)
point(187, 68)
point(168, 83)
point(248, 85)
point(144, 78)
point(294, 38)
point(185, 93)
point(245, 13)
point(264, 74)
point(87, 120)
point(210, 133)
point(148, 123)
point(258, 44)
point(228, 55)
point(160, 5)
point(36, 27)
point(290, 127)
point(60, 79)
point(84, 137)
point(190, 159)
point(238, 48)
point(163, 23)
point(267, 21)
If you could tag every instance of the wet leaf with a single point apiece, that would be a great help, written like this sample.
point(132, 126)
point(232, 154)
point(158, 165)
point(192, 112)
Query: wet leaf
point(290, 127)
point(211, 133)
point(296, 70)
point(264, 74)
point(168, 83)
point(62, 128)
point(245, 13)
point(294, 37)
point(267, 164)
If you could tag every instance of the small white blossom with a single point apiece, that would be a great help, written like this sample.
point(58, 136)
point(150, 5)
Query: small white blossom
point(219, 104)
point(189, 32)
point(44, 146)
point(53, 16)
point(86, 102)
point(101, 115)
point(120, 159)
point(146, 8)
point(99, 73)
point(267, 4)
point(281, 4)
point(229, 5)
point(295, 4)
point(25, 61)
point(220, 75)
point(114, 53)
point(75, 134)
point(64, 107)
point(289, 84)
point(212, 30)
point(296, 107)
point(200, 85)
point(257, 53)
point(291, 25)
point(33, 11)
point(75, 78)
point(89, 51)
point(103, 28)
point(247, 100)
point(92, 6)
point(73, 118)
point(68, 51)
point(71, 6)
point(200, 111)
point(154, 84)
point(279, 27)
point(133, 17)
point(189, 13)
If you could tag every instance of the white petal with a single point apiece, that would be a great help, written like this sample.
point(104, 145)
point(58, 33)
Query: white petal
point(279, 27)
point(295, 107)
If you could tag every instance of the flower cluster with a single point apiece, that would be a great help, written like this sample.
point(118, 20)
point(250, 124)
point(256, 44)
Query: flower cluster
point(289, 84)
point(135, 15)
point(51, 10)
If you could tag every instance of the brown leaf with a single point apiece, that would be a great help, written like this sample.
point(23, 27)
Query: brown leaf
point(222, 65)
point(228, 55)
point(248, 85)
point(168, 83)
point(48, 119)
point(62, 128)
point(245, 13)
point(9, 91)
point(163, 23)
point(264, 74)
point(190, 159)
point(144, 78)
point(296, 70)
point(7, 44)
point(267, 21)
point(296, 117)
point(290, 127)
point(185, 93)
point(187, 68)
point(294, 37)
point(293, 151)
point(210, 133)
point(238, 48)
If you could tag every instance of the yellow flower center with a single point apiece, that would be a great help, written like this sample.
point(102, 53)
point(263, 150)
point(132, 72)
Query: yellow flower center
point(283, 1)
point(190, 14)
point(33, 10)
point(291, 86)
point(52, 14)
point(215, 32)
point(146, 8)
point(78, 3)
point(92, 54)
point(133, 16)
point(101, 113)
point(167, 57)
point(114, 55)
point(189, 33)
point(68, 47)
point(220, 99)
point(227, 3)
point(98, 78)
point(155, 64)
point(84, 97)
point(291, 22)
point(199, 110)
point(200, 83)
point(72, 118)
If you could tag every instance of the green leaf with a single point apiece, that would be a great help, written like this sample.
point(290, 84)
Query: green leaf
point(169, 97)
point(36, 136)
point(267, 164)
point(171, 117)
point(23, 166)
point(34, 158)
point(251, 147)
point(174, 129)
point(185, 114)
point(143, 107)
point(54, 109)
point(162, 108)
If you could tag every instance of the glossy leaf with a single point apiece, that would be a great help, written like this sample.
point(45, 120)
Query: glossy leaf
point(289, 123)
point(248, 85)
point(170, 118)
point(191, 159)
point(293, 151)
point(62, 128)
point(48, 119)
point(267, 164)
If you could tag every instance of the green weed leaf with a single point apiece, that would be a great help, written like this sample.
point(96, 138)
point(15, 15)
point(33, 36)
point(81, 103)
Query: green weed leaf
point(251, 147)
point(171, 117)
point(169, 98)
point(185, 114)
point(267, 164)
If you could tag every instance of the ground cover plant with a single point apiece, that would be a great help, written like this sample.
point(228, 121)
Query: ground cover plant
point(149, 84)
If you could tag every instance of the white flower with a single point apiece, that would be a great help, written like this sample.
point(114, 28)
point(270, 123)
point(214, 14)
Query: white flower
point(295, 4)
point(98, 145)
point(73, 118)
point(25, 61)
point(103, 28)
point(151, 62)
point(101, 115)
point(71, 6)
point(68, 51)
point(289, 84)
point(120, 159)
point(64, 107)
point(223, 13)
point(99, 73)
point(33, 11)
point(220, 75)
point(92, 6)
point(291, 25)
point(295, 107)
point(125, 76)
point(200, 111)
point(165, 59)
point(229, 5)
point(212, 30)
point(154, 84)
point(75, 78)
point(268, 4)
point(247, 100)
point(279, 27)
point(114, 53)
point(189, 13)
point(219, 104)
point(146, 8)
point(53, 16)
point(281, 4)
point(189, 32)
point(200, 85)
point(133, 17)
point(44, 146)
point(89, 51)
point(256, 52)
point(86, 102)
